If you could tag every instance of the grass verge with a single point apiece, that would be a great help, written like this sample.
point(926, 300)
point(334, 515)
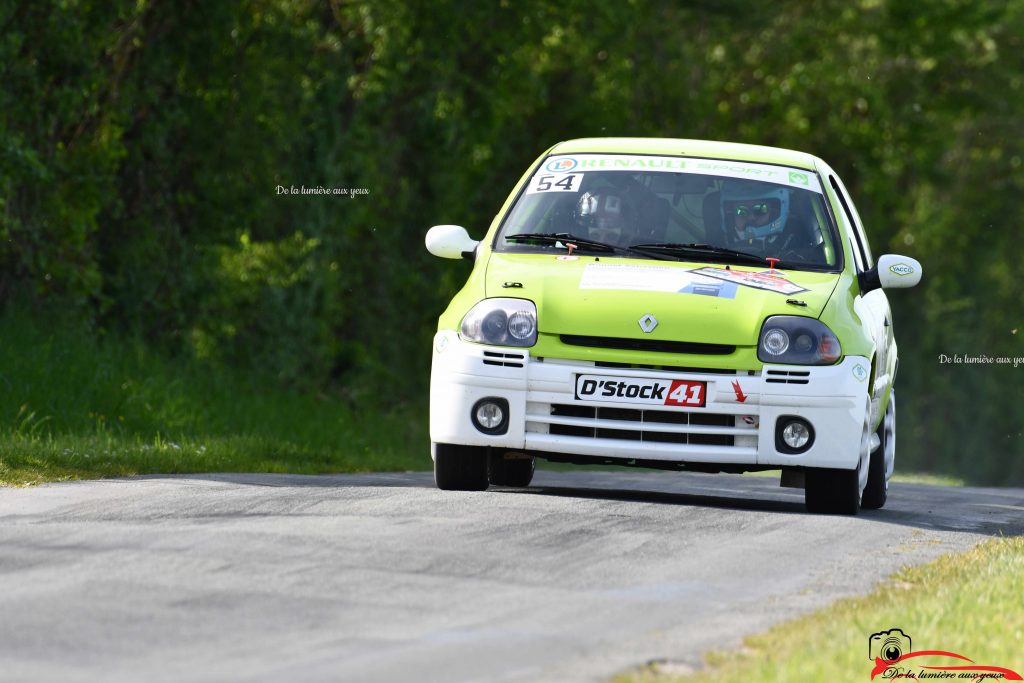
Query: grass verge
point(968, 603)
point(74, 406)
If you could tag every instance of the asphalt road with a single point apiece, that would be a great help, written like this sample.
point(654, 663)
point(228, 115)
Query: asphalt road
point(384, 578)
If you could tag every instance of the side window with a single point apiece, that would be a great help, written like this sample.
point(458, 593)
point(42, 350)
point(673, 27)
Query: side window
point(861, 251)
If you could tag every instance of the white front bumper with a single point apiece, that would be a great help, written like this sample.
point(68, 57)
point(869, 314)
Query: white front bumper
point(545, 415)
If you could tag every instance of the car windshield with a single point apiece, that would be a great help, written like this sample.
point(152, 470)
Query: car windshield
point(677, 208)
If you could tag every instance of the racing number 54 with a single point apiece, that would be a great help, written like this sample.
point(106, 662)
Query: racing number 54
point(544, 183)
point(686, 393)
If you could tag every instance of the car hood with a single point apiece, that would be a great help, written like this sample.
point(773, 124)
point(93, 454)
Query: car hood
point(692, 302)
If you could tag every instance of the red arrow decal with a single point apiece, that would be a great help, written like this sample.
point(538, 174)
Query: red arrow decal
point(740, 396)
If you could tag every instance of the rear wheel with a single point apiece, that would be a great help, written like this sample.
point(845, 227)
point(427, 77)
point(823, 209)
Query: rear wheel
point(516, 472)
point(460, 468)
point(877, 490)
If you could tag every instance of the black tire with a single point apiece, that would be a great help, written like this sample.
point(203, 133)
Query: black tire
point(517, 473)
point(460, 468)
point(877, 490)
point(832, 492)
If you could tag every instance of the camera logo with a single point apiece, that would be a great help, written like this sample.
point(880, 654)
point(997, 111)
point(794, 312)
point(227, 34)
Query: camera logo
point(888, 645)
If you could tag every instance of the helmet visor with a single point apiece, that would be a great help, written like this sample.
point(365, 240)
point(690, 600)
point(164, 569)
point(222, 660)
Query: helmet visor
point(759, 211)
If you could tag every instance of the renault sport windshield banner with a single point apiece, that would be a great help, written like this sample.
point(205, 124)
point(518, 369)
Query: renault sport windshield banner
point(781, 175)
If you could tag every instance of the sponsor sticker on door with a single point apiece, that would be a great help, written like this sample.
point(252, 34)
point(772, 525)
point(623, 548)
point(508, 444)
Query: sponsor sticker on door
point(682, 393)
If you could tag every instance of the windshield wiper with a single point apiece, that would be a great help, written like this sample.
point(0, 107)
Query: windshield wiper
point(561, 237)
point(581, 242)
point(705, 249)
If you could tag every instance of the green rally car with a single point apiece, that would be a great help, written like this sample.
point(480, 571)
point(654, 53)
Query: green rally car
point(675, 304)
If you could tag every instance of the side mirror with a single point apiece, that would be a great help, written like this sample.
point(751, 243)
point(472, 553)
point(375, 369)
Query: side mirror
point(892, 271)
point(450, 241)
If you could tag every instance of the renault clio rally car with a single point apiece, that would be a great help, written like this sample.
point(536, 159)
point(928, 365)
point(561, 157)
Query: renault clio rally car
point(673, 304)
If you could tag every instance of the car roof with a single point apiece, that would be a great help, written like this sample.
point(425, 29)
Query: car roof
point(690, 148)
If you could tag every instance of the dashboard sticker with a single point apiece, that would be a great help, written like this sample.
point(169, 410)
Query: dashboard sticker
point(653, 279)
point(767, 280)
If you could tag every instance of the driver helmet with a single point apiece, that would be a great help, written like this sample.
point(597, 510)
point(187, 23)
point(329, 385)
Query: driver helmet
point(605, 215)
point(753, 209)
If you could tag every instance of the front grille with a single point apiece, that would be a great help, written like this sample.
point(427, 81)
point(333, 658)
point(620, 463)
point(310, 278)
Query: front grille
point(631, 424)
point(695, 348)
point(506, 360)
point(671, 368)
point(787, 376)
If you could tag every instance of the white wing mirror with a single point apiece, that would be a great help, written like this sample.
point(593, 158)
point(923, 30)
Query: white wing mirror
point(892, 271)
point(450, 241)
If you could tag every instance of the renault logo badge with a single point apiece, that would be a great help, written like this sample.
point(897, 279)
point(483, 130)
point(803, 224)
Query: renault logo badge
point(648, 323)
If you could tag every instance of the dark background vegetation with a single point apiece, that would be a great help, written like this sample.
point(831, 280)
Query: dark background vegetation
point(141, 143)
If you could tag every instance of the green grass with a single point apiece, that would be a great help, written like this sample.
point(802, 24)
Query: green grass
point(968, 603)
point(925, 478)
point(75, 406)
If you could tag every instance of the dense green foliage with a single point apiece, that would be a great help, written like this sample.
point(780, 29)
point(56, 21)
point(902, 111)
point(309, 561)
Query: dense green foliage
point(142, 144)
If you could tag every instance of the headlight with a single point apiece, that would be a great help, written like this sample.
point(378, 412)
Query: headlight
point(502, 322)
point(796, 340)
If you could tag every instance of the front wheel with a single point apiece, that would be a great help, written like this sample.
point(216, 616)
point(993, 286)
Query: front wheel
point(460, 468)
point(515, 472)
point(832, 492)
point(838, 492)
